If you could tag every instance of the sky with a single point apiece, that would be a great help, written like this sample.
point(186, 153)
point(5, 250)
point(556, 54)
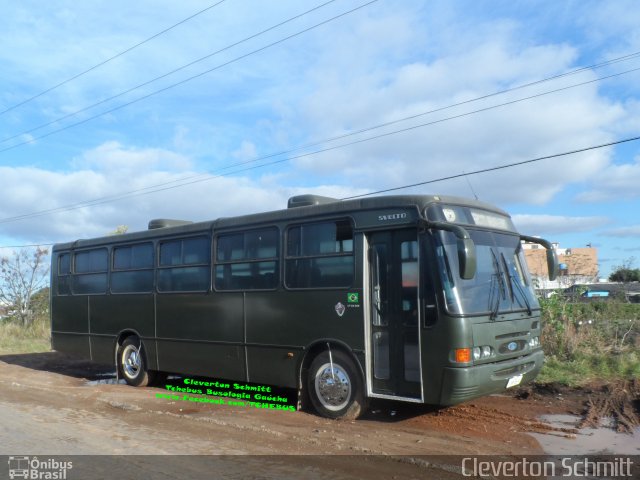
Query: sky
point(114, 113)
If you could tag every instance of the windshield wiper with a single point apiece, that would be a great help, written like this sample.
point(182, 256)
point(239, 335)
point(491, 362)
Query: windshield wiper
point(496, 278)
point(514, 283)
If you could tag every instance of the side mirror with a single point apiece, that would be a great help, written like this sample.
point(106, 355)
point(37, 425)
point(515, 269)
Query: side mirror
point(552, 264)
point(552, 259)
point(467, 258)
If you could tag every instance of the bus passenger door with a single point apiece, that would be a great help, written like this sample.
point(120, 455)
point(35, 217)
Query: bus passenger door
point(394, 349)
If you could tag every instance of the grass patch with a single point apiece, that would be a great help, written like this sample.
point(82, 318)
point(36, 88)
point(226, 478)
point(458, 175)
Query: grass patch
point(589, 341)
point(17, 339)
point(584, 368)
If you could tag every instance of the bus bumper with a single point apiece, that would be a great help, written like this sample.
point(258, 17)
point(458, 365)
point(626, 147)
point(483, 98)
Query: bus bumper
point(466, 383)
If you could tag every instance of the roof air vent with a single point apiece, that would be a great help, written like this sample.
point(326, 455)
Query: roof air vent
point(166, 222)
point(309, 200)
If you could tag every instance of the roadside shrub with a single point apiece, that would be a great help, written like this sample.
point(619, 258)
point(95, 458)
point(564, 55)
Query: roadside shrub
point(589, 340)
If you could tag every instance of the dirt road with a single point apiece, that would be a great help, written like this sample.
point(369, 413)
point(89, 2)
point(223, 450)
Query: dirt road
point(53, 405)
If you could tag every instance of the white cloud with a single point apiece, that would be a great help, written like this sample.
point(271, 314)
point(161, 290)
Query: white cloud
point(617, 182)
point(117, 169)
point(246, 151)
point(631, 231)
point(373, 90)
point(556, 224)
point(121, 161)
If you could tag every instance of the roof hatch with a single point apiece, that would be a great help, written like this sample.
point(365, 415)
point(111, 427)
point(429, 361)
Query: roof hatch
point(309, 200)
point(166, 222)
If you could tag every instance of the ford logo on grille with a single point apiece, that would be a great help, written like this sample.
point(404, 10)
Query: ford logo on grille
point(512, 347)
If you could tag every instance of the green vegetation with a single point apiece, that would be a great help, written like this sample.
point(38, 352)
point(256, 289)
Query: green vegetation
point(625, 275)
point(17, 339)
point(625, 272)
point(589, 341)
point(36, 337)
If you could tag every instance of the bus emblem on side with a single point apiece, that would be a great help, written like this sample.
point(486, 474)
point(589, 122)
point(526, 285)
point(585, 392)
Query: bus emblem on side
point(340, 309)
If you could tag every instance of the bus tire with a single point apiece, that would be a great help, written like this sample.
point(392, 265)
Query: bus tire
point(340, 395)
point(132, 364)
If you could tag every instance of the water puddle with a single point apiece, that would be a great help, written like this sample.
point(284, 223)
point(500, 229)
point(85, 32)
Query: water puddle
point(107, 379)
point(110, 379)
point(588, 441)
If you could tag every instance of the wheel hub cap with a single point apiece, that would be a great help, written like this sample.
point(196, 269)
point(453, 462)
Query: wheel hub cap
point(131, 361)
point(334, 389)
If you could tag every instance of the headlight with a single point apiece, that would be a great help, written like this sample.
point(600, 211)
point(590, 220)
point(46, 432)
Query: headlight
point(480, 353)
point(534, 342)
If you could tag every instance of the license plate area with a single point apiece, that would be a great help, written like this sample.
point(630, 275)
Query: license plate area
point(514, 381)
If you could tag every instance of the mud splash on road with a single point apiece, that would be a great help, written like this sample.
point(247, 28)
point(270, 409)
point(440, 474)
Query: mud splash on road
point(616, 403)
point(619, 401)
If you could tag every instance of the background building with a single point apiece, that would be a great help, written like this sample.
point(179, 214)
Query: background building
point(577, 265)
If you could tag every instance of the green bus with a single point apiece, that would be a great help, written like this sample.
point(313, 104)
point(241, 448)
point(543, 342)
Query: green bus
point(417, 298)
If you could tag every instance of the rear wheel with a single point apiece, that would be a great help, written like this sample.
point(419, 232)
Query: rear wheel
point(132, 364)
point(335, 392)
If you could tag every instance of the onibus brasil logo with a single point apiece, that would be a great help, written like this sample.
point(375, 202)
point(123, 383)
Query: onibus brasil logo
point(33, 468)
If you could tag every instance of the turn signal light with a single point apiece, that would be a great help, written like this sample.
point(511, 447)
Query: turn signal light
point(463, 355)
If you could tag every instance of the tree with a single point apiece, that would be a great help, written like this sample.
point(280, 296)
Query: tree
point(624, 273)
point(120, 230)
point(21, 276)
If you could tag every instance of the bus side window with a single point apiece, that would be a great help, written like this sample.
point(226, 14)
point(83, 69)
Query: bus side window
point(64, 274)
point(90, 271)
point(320, 255)
point(184, 265)
point(132, 269)
point(248, 260)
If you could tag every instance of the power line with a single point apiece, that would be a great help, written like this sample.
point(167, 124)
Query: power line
point(72, 114)
point(26, 246)
point(483, 97)
point(493, 169)
point(206, 177)
point(117, 55)
point(363, 130)
point(181, 82)
point(450, 177)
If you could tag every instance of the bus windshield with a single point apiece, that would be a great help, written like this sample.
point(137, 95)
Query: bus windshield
point(501, 283)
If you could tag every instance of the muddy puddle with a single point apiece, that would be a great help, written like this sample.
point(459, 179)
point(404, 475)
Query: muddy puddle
point(109, 378)
point(104, 379)
point(587, 441)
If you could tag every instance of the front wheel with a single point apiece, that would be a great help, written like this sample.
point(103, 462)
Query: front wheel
point(132, 364)
point(337, 392)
